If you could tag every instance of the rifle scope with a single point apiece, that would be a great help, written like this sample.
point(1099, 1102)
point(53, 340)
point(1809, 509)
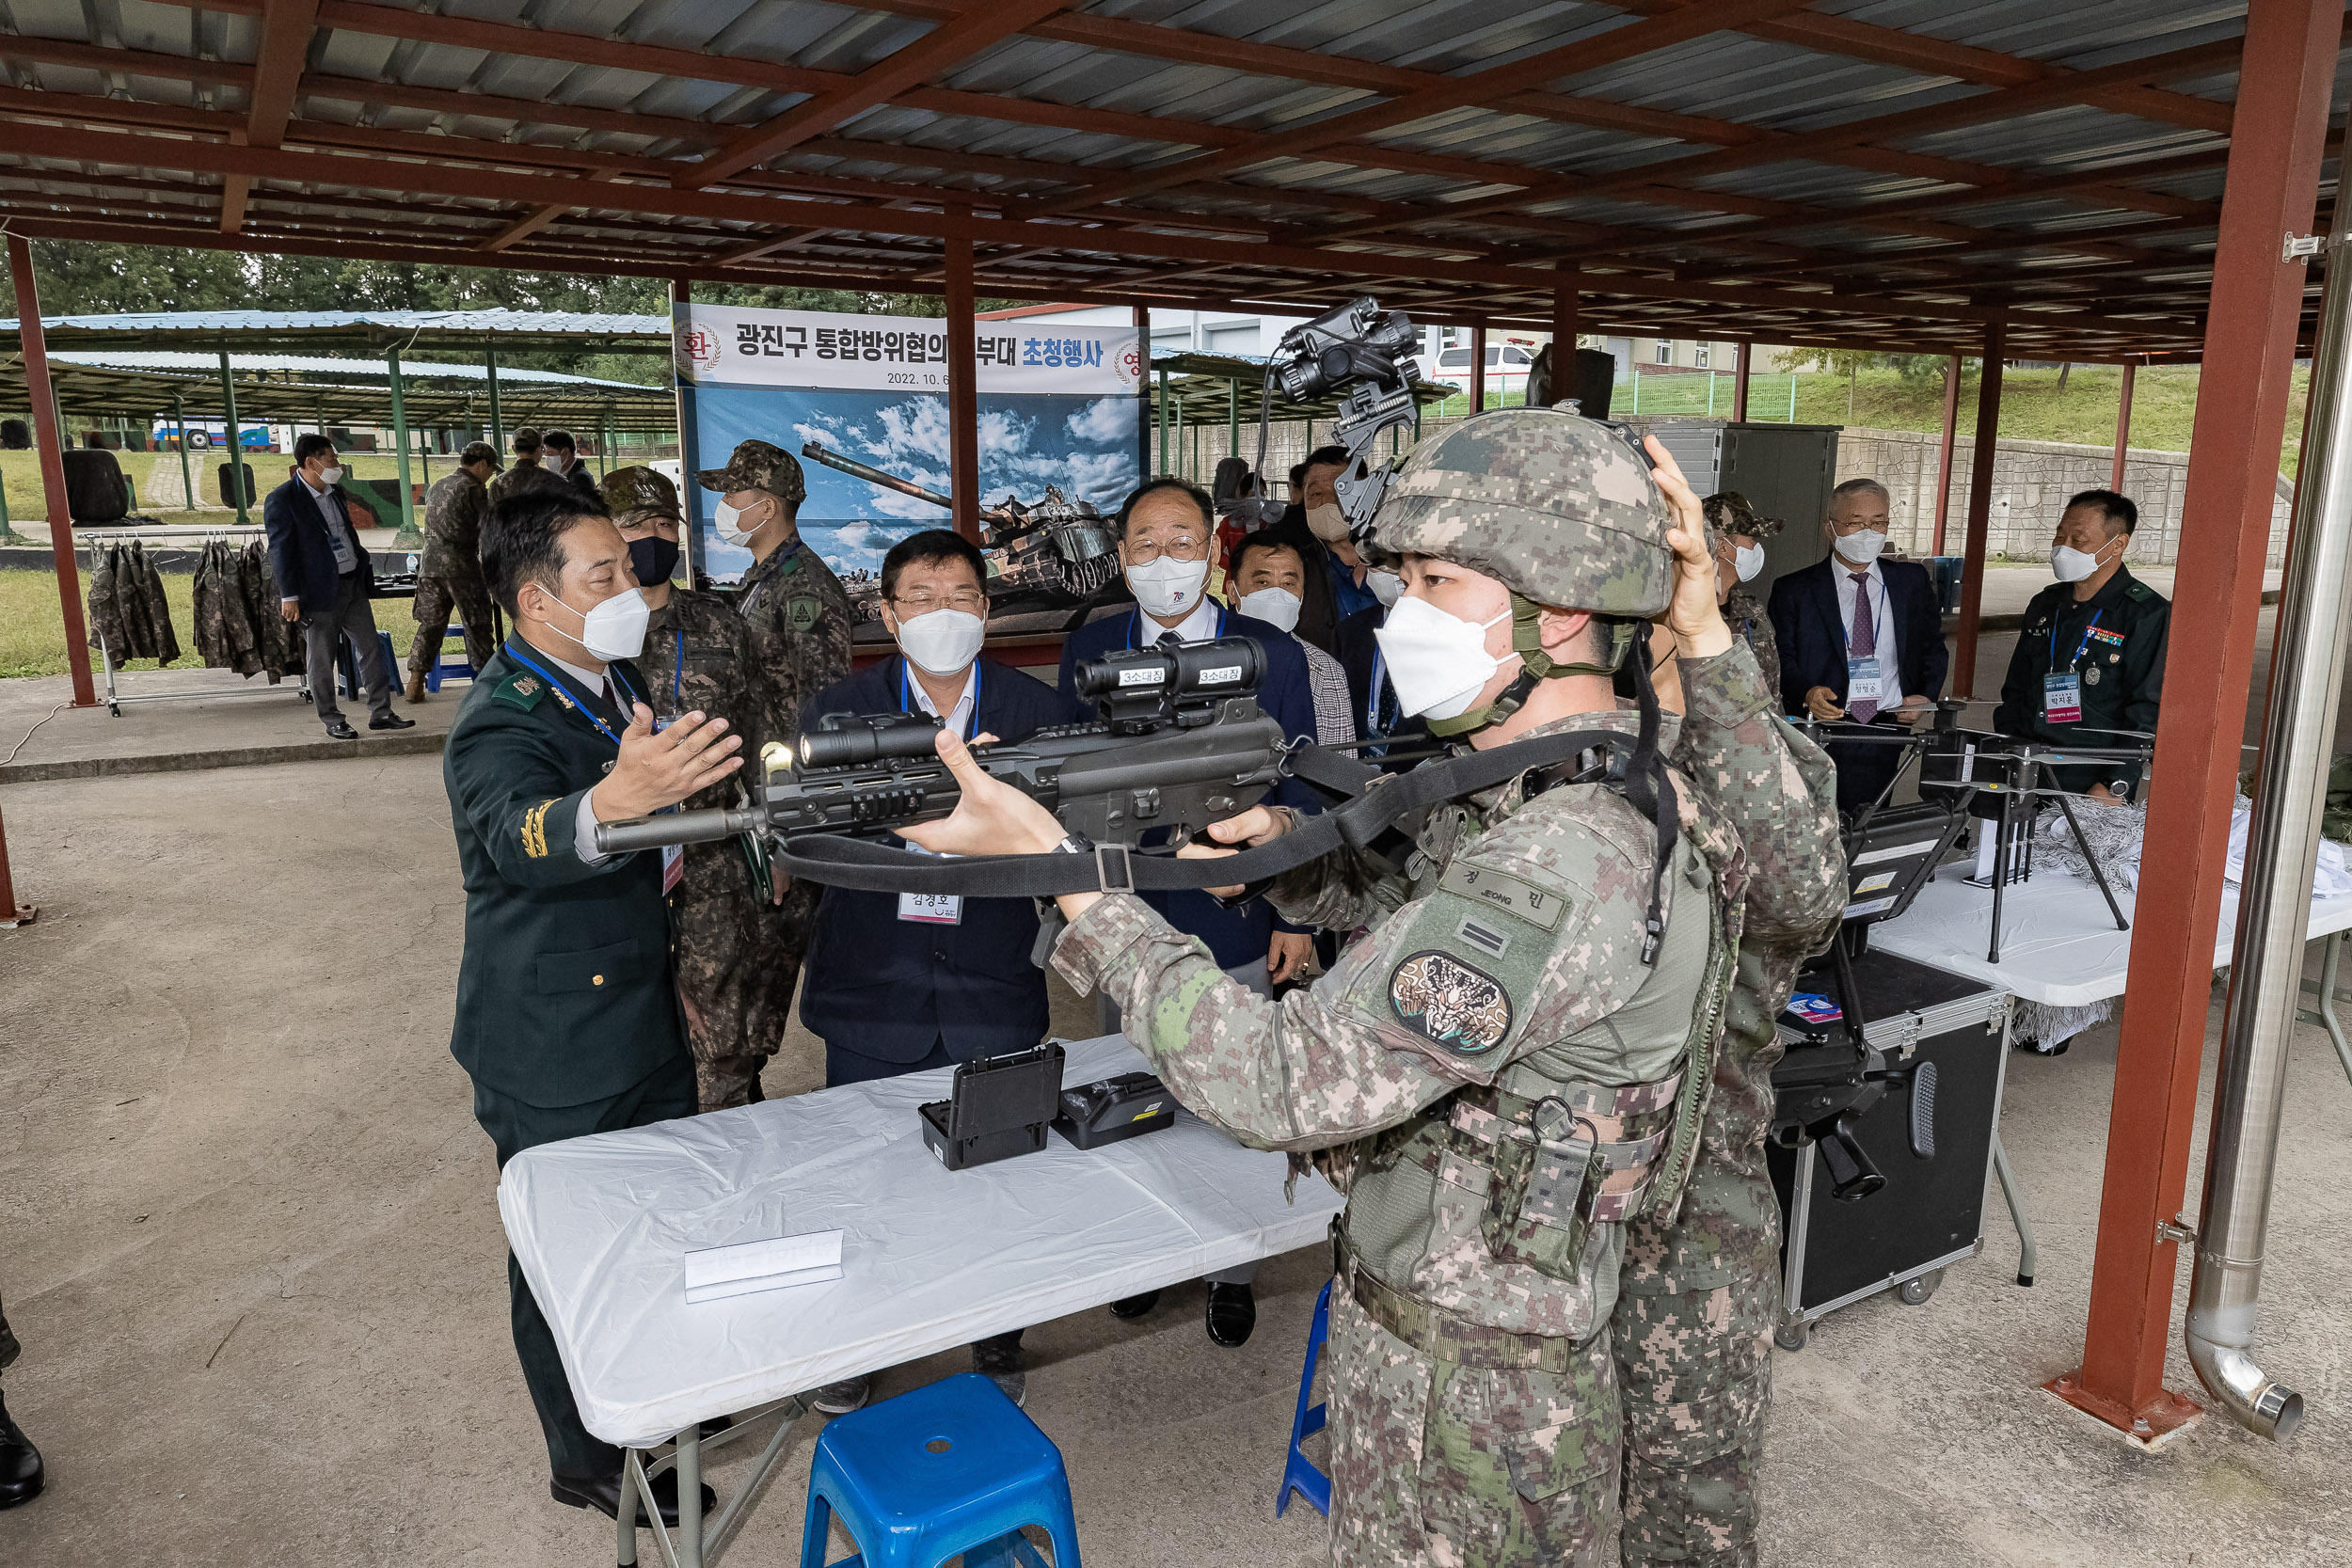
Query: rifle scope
point(853, 740)
point(1180, 683)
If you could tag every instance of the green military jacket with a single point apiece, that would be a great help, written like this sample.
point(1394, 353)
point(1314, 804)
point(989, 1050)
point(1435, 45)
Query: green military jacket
point(2115, 644)
point(564, 994)
point(454, 510)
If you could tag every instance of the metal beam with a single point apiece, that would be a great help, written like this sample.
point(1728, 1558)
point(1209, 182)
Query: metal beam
point(1951, 433)
point(964, 397)
point(49, 434)
point(287, 28)
point(2122, 429)
point(2258, 298)
point(1740, 383)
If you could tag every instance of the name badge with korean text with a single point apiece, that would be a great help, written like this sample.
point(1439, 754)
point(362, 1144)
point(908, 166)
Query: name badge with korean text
point(1864, 681)
point(932, 908)
point(2062, 698)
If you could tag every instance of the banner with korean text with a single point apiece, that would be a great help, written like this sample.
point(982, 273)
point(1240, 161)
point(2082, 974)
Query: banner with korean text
point(861, 404)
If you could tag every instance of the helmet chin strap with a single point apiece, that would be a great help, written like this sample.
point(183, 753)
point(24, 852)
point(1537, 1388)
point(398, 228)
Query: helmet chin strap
point(1534, 665)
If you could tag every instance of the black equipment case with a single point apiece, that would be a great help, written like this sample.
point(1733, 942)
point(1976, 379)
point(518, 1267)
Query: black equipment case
point(1000, 1107)
point(1928, 1212)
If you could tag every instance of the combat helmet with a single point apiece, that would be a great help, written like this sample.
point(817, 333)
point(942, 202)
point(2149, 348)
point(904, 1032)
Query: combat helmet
point(638, 492)
point(1561, 508)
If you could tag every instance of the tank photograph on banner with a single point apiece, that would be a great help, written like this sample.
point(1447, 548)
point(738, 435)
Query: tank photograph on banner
point(1050, 564)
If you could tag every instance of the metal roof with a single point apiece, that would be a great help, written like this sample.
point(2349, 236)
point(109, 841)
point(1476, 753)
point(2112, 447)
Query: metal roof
point(381, 329)
point(271, 389)
point(1884, 173)
point(338, 370)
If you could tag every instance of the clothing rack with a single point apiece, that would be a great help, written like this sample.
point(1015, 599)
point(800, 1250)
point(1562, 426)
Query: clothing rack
point(115, 699)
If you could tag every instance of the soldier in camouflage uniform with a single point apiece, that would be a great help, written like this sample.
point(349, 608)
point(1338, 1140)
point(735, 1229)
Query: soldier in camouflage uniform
point(450, 575)
point(525, 473)
point(1517, 1058)
point(698, 658)
point(1735, 535)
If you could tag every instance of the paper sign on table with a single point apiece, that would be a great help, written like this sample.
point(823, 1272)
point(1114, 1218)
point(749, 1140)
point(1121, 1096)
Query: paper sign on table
point(716, 1273)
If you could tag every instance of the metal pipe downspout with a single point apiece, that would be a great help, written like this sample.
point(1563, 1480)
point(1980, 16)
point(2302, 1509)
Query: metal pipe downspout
point(2274, 900)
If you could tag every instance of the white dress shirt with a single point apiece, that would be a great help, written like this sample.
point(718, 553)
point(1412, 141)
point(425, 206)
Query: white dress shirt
point(1890, 666)
point(337, 528)
point(958, 718)
point(1199, 627)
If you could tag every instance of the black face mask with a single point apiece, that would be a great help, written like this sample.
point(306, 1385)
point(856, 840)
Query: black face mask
point(653, 559)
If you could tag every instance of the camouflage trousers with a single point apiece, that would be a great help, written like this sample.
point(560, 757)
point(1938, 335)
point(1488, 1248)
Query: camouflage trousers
point(737, 962)
point(1434, 1461)
point(435, 599)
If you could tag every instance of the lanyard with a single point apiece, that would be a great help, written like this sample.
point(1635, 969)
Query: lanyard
point(906, 698)
point(678, 671)
point(1134, 625)
point(581, 708)
point(2081, 648)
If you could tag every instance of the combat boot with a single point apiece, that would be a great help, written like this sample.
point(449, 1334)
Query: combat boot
point(21, 1474)
point(416, 686)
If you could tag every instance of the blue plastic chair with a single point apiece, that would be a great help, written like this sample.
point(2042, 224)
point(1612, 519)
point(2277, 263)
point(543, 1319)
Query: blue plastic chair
point(347, 666)
point(1299, 1474)
point(951, 1468)
point(446, 668)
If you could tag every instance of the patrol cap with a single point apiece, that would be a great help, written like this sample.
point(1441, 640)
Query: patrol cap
point(1732, 513)
point(479, 451)
point(526, 441)
point(1556, 506)
point(758, 465)
point(634, 492)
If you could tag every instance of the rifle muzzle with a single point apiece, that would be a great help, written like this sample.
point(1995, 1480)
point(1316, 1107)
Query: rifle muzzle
point(677, 826)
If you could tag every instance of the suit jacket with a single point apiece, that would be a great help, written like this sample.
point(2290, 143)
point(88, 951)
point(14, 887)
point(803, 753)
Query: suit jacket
point(1812, 635)
point(887, 987)
point(301, 557)
point(565, 992)
point(1237, 936)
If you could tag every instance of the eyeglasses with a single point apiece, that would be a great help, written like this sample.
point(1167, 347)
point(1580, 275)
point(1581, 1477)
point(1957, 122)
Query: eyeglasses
point(923, 601)
point(1145, 549)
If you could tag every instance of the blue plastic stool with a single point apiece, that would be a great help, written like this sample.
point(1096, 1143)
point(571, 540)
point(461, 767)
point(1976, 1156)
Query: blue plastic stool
point(1298, 1472)
point(953, 1467)
point(347, 666)
point(446, 668)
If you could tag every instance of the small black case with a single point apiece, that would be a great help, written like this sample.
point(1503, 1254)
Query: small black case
point(1000, 1109)
point(1113, 1109)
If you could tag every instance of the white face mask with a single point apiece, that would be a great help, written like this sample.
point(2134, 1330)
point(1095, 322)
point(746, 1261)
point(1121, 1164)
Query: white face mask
point(2069, 564)
point(1438, 662)
point(555, 460)
point(611, 628)
point(1386, 586)
point(941, 641)
point(1748, 560)
point(728, 518)
point(1166, 586)
point(1278, 607)
point(1861, 547)
point(329, 478)
point(1326, 523)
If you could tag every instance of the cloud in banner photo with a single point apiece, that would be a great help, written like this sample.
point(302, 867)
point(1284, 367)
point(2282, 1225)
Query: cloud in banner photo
point(1088, 447)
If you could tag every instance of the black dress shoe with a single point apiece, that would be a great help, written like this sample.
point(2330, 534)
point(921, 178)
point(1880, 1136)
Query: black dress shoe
point(19, 1464)
point(603, 1493)
point(1135, 1306)
point(1232, 1313)
point(391, 721)
point(341, 729)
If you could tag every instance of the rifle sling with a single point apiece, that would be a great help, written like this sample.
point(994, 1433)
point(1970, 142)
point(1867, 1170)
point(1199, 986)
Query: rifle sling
point(879, 868)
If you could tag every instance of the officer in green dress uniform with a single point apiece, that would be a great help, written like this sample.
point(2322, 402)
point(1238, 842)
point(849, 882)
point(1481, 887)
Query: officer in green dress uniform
point(568, 1015)
point(2090, 661)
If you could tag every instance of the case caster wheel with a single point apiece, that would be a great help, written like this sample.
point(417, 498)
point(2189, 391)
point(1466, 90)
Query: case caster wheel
point(1914, 1292)
point(1791, 1336)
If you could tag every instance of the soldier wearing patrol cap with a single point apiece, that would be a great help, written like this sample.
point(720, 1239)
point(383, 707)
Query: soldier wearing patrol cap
point(2089, 666)
point(450, 575)
point(797, 614)
point(731, 943)
point(1541, 988)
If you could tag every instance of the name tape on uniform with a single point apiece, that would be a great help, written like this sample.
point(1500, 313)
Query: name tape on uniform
point(1500, 890)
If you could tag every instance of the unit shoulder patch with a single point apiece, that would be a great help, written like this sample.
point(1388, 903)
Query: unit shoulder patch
point(1438, 996)
point(522, 692)
point(2140, 591)
point(801, 611)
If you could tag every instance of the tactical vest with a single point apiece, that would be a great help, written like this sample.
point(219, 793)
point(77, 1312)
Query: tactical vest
point(1503, 1206)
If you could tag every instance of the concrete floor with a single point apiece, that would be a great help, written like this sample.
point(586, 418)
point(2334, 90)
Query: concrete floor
point(253, 1252)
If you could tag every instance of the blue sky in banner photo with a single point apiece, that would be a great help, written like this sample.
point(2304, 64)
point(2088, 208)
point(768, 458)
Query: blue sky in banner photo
point(1087, 445)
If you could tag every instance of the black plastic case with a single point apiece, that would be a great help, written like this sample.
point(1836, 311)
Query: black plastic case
point(1000, 1109)
point(1112, 1110)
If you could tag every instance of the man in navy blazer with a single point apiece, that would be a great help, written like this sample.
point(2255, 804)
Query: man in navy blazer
point(901, 982)
point(1860, 639)
point(1165, 531)
point(323, 580)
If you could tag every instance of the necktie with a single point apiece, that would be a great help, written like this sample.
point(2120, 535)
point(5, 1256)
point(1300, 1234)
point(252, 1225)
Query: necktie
point(1169, 639)
point(1863, 641)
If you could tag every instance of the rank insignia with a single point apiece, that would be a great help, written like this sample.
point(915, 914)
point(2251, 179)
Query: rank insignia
point(526, 685)
point(1438, 996)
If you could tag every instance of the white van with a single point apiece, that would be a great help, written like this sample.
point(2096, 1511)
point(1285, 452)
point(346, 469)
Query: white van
point(1508, 365)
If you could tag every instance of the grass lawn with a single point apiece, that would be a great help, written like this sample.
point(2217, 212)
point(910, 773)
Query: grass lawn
point(32, 625)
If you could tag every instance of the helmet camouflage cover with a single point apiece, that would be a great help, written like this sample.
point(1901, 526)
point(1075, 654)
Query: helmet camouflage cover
point(639, 491)
point(758, 465)
point(1556, 506)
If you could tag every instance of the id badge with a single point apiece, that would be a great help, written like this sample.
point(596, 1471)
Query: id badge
point(673, 855)
point(932, 908)
point(1864, 683)
point(2062, 698)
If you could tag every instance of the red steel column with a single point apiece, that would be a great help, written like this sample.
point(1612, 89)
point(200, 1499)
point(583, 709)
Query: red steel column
point(1979, 510)
point(2251, 329)
point(50, 439)
point(1741, 367)
point(1478, 370)
point(1944, 468)
point(2122, 430)
point(11, 913)
point(964, 397)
